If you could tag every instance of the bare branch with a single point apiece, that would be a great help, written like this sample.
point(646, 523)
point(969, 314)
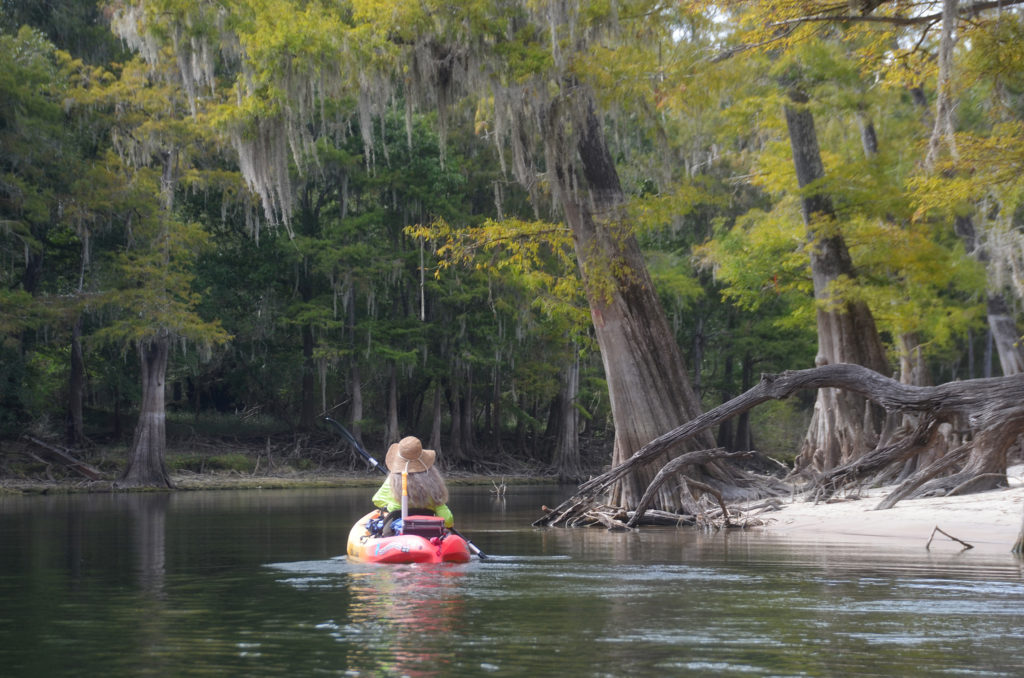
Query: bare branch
point(928, 545)
point(965, 10)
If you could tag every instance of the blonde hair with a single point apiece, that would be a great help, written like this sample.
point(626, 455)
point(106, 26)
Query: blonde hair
point(426, 488)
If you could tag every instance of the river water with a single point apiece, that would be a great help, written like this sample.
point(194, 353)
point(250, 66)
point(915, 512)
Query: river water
point(254, 583)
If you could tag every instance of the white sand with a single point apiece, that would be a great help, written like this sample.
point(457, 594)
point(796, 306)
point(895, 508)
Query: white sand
point(989, 521)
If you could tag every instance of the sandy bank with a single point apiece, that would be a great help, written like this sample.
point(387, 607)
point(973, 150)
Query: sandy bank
point(989, 521)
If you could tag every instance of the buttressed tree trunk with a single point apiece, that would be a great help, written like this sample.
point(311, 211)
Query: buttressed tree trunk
point(844, 425)
point(648, 386)
point(146, 465)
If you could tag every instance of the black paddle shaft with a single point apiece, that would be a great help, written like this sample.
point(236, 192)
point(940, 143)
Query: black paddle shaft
point(355, 443)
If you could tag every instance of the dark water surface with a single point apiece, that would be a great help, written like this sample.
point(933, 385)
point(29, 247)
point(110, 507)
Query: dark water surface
point(253, 583)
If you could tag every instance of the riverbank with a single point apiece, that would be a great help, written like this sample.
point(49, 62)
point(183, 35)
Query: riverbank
point(988, 521)
point(214, 480)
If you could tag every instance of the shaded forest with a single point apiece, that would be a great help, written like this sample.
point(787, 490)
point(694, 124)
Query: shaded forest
point(539, 236)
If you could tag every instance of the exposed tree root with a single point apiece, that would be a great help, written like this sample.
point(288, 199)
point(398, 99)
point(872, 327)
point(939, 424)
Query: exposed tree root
point(909, 487)
point(991, 408)
point(617, 520)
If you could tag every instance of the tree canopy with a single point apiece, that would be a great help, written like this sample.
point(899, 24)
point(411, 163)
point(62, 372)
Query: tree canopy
point(504, 227)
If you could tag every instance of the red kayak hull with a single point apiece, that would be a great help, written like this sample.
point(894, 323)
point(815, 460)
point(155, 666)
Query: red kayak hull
point(406, 548)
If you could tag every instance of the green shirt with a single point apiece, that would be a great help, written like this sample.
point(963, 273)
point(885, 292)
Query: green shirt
point(385, 499)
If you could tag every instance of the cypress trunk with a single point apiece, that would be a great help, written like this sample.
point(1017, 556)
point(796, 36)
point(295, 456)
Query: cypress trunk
point(1005, 335)
point(566, 458)
point(357, 402)
point(436, 419)
point(146, 465)
point(1001, 323)
point(391, 433)
point(648, 386)
point(844, 425)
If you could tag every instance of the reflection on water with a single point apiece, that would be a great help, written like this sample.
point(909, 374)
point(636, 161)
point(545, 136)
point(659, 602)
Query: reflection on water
point(252, 583)
point(397, 618)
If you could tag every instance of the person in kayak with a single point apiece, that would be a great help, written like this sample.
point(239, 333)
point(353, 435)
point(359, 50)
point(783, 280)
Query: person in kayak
point(425, 485)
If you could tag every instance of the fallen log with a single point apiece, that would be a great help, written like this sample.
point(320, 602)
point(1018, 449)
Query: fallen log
point(654, 517)
point(61, 455)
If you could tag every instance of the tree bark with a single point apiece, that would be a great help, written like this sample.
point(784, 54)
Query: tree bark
point(843, 425)
point(497, 444)
point(466, 420)
point(726, 437)
point(1001, 323)
point(435, 419)
point(357, 402)
point(945, 103)
point(1005, 335)
point(648, 385)
point(744, 435)
point(146, 466)
point(391, 432)
point(566, 457)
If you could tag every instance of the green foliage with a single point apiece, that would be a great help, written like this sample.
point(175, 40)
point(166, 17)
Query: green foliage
point(762, 256)
point(407, 248)
point(780, 426)
point(534, 259)
point(156, 293)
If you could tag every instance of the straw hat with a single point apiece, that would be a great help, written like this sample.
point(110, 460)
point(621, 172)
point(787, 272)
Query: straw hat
point(408, 455)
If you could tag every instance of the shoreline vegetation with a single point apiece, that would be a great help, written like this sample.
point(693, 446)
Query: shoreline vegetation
point(188, 481)
point(273, 460)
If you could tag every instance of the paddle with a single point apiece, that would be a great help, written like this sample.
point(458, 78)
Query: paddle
point(472, 547)
point(355, 444)
point(376, 464)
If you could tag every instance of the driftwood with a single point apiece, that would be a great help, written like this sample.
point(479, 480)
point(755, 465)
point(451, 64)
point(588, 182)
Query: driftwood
point(62, 456)
point(990, 406)
point(673, 468)
point(928, 546)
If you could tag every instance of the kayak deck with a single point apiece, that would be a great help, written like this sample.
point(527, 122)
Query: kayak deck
point(363, 547)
